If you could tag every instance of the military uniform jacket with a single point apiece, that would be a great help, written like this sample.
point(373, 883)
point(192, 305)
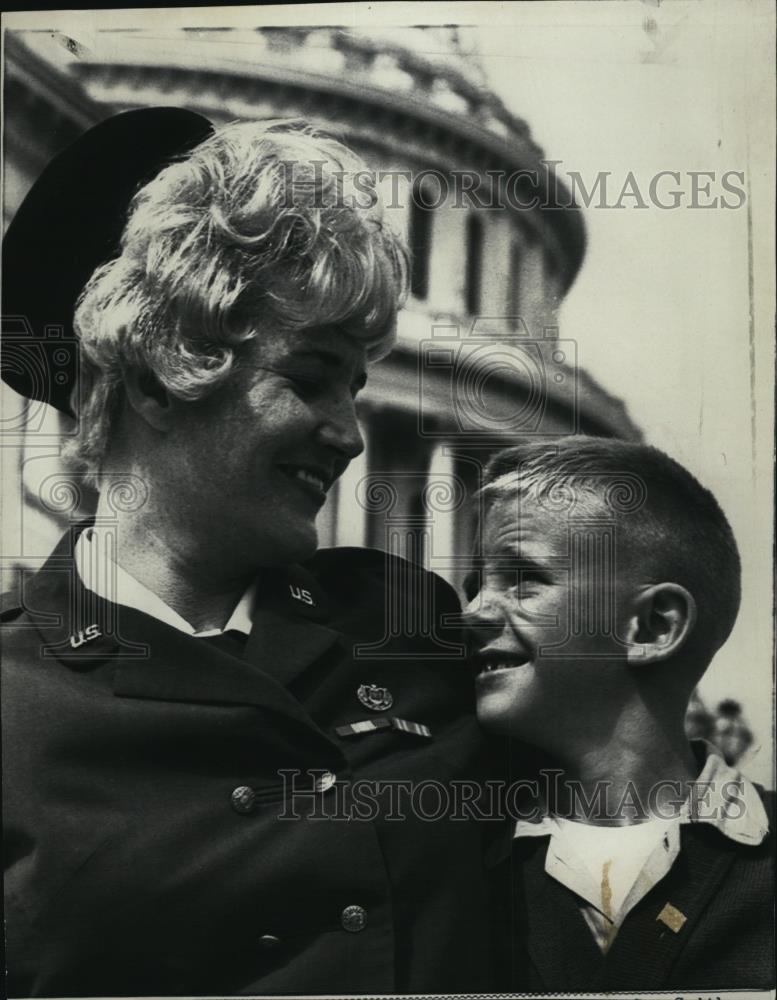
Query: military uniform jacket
point(168, 806)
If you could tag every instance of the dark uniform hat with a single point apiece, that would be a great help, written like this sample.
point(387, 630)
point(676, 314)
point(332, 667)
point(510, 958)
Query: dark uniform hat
point(70, 222)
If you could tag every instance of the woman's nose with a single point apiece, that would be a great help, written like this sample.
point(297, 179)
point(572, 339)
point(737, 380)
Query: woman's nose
point(340, 430)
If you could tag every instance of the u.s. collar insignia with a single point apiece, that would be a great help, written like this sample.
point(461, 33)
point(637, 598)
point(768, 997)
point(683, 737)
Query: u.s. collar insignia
point(299, 594)
point(378, 699)
point(85, 635)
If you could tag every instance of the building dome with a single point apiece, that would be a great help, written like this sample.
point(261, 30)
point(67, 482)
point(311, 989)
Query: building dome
point(496, 240)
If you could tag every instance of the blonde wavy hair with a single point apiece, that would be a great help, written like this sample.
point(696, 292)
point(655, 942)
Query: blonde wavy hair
point(264, 225)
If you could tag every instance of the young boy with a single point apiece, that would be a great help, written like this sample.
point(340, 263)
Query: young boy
point(607, 580)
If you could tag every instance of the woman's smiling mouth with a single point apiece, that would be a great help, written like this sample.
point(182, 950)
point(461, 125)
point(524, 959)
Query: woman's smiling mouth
point(313, 481)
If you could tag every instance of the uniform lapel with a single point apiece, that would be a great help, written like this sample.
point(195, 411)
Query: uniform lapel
point(149, 659)
point(283, 647)
point(289, 624)
point(646, 948)
point(182, 668)
point(75, 625)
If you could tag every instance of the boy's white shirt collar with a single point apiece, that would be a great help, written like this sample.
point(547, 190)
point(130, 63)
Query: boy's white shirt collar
point(750, 827)
point(100, 573)
point(564, 863)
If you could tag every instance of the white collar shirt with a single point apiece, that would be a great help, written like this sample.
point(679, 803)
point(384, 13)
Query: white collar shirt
point(611, 869)
point(99, 572)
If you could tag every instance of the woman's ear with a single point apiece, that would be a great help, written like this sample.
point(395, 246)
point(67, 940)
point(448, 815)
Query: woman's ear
point(148, 398)
point(662, 618)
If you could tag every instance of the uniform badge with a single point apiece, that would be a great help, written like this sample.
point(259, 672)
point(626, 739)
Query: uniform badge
point(378, 699)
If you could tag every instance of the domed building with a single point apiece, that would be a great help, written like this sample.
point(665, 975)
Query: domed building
point(496, 245)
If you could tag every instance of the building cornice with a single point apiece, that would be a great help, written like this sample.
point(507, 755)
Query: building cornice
point(370, 91)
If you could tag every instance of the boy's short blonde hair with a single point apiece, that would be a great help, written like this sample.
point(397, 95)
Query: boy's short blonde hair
point(668, 524)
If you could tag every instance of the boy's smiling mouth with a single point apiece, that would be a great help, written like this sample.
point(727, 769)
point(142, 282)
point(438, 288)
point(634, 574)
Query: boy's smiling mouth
point(497, 661)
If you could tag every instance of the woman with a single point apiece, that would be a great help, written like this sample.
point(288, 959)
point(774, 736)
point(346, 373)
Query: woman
point(190, 699)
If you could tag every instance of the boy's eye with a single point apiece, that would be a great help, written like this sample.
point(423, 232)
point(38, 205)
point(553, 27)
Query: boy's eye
point(306, 384)
point(471, 585)
point(520, 579)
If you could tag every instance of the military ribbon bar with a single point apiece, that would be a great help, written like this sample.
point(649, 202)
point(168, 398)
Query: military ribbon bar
point(416, 728)
point(366, 726)
point(373, 725)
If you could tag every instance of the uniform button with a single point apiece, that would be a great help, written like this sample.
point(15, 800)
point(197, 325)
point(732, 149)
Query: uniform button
point(243, 799)
point(269, 942)
point(325, 781)
point(353, 919)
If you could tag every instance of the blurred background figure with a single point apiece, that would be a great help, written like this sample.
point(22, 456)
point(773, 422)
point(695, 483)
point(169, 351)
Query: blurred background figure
point(730, 732)
point(726, 727)
point(698, 721)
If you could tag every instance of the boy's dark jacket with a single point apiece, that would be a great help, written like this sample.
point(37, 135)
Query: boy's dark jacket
point(130, 866)
point(724, 889)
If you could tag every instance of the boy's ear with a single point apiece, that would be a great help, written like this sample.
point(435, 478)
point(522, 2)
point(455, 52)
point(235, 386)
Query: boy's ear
point(662, 618)
point(148, 397)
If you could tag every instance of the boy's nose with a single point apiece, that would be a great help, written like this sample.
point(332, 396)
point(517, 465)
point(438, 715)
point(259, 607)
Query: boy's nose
point(483, 620)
